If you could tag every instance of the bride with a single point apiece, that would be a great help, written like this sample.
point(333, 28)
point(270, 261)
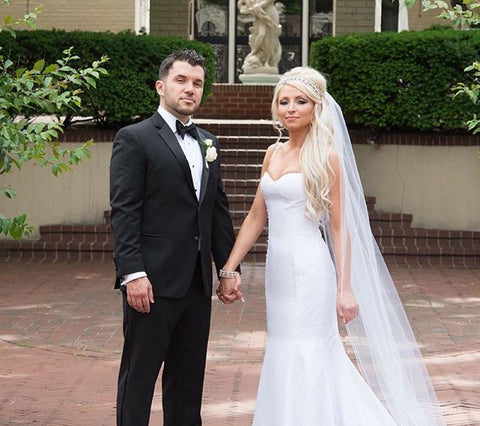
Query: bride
point(322, 260)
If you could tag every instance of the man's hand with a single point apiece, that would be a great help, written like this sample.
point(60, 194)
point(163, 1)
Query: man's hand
point(347, 306)
point(140, 294)
point(229, 290)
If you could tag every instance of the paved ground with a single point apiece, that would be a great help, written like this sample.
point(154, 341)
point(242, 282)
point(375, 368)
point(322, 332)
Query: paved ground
point(60, 342)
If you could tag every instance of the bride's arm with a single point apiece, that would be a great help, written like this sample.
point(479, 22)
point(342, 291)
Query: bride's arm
point(252, 226)
point(347, 305)
point(250, 230)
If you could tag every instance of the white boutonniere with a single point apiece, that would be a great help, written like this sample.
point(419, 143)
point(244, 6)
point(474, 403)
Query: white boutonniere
point(209, 150)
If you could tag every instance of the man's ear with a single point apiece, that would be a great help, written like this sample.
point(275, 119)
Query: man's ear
point(159, 87)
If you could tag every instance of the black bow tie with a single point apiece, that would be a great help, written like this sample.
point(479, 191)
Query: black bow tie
point(191, 130)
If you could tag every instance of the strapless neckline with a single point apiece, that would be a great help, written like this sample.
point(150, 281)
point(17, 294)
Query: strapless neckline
point(282, 176)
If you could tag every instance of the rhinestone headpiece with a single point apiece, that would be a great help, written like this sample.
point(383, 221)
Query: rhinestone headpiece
point(306, 81)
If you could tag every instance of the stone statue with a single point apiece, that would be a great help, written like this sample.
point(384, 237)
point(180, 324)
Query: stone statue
point(265, 48)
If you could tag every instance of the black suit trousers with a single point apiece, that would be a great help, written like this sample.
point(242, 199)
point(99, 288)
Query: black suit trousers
point(175, 334)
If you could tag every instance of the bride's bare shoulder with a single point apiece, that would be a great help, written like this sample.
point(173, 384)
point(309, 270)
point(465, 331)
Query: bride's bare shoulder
point(270, 150)
point(274, 146)
point(334, 160)
point(268, 155)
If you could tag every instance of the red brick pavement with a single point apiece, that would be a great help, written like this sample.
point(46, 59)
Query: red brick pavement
point(61, 337)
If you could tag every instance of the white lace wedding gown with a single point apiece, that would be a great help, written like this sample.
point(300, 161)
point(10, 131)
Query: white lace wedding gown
point(307, 378)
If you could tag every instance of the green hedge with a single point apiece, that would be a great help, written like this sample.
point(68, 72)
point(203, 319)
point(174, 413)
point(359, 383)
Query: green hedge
point(128, 92)
point(399, 80)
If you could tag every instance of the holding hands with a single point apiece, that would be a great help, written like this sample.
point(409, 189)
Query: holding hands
point(228, 290)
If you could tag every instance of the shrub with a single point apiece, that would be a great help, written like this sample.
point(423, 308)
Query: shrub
point(399, 80)
point(127, 93)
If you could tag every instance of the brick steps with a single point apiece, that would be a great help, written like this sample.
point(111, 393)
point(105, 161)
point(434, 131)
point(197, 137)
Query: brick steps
point(242, 172)
point(244, 144)
point(242, 155)
point(63, 242)
point(236, 188)
point(392, 232)
point(257, 143)
point(240, 128)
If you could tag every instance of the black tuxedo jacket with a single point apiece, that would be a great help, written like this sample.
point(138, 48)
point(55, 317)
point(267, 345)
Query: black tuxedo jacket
point(159, 225)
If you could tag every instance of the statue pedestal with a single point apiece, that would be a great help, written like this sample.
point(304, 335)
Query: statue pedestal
point(259, 79)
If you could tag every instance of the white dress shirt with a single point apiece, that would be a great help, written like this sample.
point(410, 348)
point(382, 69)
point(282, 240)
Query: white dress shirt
point(191, 148)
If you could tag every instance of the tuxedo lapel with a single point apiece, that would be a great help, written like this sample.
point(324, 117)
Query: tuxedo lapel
point(205, 169)
point(170, 139)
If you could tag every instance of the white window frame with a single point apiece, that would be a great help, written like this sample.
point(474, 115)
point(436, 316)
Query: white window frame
point(402, 16)
point(142, 16)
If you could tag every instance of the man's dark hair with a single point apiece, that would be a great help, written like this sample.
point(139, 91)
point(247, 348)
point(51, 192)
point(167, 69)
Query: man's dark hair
point(186, 55)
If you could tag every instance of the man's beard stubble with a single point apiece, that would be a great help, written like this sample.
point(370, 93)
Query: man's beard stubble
point(175, 106)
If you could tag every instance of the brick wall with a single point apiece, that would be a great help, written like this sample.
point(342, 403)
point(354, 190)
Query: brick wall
point(238, 101)
point(355, 16)
point(81, 133)
point(252, 102)
point(86, 15)
point(169, 18)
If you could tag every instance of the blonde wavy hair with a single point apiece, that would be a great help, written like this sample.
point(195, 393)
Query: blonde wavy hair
point(318, 144)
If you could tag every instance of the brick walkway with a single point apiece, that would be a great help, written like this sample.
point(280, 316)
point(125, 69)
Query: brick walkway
point(61, 337)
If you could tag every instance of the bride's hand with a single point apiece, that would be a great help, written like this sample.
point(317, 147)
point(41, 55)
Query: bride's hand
point(238, 284)
point(229, 290)
point(347, 306)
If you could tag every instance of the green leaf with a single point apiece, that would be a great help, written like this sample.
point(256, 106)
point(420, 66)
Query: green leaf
point(31, 24)
point(50, 68)
point(74, 158)
point(20, 72)
point(20, 220)
point(56, 169)
point(91, 81)
point(11, 32)
point(9, 193)
point(5, 224)
point(53, 133)
point(16, 231)
point(39, 128)
point(39, 65)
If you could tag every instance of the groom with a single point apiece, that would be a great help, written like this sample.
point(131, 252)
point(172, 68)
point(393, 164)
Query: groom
point(169, 216)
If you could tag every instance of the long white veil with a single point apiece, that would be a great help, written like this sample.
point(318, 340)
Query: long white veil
point(383, 341)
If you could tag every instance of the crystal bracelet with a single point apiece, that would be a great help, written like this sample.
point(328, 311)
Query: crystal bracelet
point(227, 274)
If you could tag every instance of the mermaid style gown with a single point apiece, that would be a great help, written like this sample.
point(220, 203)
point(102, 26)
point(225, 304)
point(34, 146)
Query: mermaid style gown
point(307, 378)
